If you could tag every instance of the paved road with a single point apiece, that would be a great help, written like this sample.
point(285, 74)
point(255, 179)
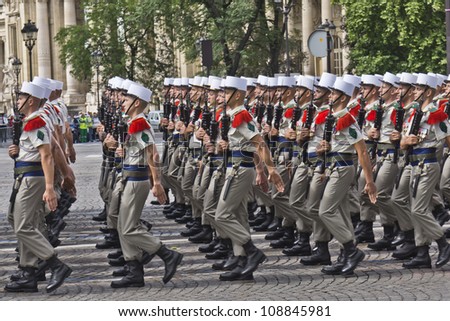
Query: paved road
point(281, 278)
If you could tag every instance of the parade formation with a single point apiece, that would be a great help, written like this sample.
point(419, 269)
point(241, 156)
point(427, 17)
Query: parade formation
point(305, 159)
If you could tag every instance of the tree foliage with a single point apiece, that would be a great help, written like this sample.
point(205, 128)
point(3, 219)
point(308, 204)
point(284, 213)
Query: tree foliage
point(395, 35)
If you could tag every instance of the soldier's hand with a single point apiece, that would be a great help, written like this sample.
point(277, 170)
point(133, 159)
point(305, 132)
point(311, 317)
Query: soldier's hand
point(71, 154)
point(275, 178)
point(223, 145)
point(190, 128)
point(110, 142)
point(373, 133)
point(395, 136)
point(200, 133)
point(262, 181)
point(411, 140)
point(13, 151)
point(274, 132)
point(304, 135)
point(119, 152)
point(159, 193)
point(323, 147)
point(49, 197)
point(371, 190)
point(266, 129)
point(179, 125)
point(290, 134)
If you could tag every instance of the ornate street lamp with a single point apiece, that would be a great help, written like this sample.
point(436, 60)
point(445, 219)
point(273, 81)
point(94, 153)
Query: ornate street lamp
point(329, 27)
point(285, 11)
point(17, 66)
point(29, 33)
point(97, 59)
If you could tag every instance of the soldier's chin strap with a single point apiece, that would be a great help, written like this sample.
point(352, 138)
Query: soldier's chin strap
point(231, 97)
point(128, 109)
point(390, 86)
point(406, 92)
point(365, 97)
point(24, 103)
point(301, 96)
point(420, 99)
point(334, 101)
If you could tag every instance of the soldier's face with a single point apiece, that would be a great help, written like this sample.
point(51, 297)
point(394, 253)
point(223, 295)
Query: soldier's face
point(21, 101)
point(211, 97)
point(419, 92)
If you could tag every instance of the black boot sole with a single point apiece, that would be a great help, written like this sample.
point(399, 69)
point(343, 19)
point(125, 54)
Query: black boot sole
point(57, 285)
point(128, 285)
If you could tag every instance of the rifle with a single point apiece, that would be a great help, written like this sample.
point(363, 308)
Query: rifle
point(362, 112)
point(225, 122)
point(447, 108)
point(327, 135)
point(278, 115)
point(414, 130)
point(214, 127)
point(173, 110)
point(246, 104)
point(260, 110)
point(297, 114)
point(101, 110)
point(308, 123)
point(377, 125)
point(399, 117)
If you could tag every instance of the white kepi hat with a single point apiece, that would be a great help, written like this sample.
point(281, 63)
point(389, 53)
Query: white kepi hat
point(344, 87)
point(326, 80)
point(251, 82)
point(370, 80)
point(391, 79)
point(352, 79)
point(407, 78)
point(168, 81)
point(284, 81)
point(236, 83)
point(305, 82)
point(140, 92)
point(42, 82)
point(214, 83)
point(426, 80)
point(262, 80)
point(32, 90)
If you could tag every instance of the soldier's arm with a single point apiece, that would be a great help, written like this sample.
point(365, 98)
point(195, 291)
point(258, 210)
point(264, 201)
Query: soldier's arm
point(364, 161)
point(154, 164)
point(49, 174)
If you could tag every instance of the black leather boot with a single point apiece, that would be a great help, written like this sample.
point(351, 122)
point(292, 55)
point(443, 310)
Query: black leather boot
point(205, 236)
point(259, 218)
point(179, 211)
point(134, 278)
point(222, 251)
point(254, 257)
point(275, 235)
point(26, 283)
point(301, 247)
point(111, 241)
point(408, 248)
point(399, 239)
point(447, 233)
point(335, 268)
point(60, 272)
point(101, 217)
point(195, 229)
point(364, 232)
point(115, 254)
point(440, 214)
point(169, 208)
point(171, 261)
point(421, 261)
point(208, 248)
point(120, 261)
point(355, 216)
point(251, 209)
point(385, 243)
point(146, 224)
point(320, 257)
point(122, 271)
point(276, 223)
point(352, 257)
point(264, 225)
point(287, 240)
point(228, 264)
point(147, 257)
point(236, 274)
point(444, 252)
point(186, 218)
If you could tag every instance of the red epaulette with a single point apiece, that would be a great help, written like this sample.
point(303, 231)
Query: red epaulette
point(138, 125)
point(394, 116)
point(436, 117)
point(34, 123)
point(321, 117)
point(372, 115)
point(241, 117)
point(177, 102)
point(442, 103)
point(218, 113)
point(289, 113)
point(344, 122)
point(355, 110)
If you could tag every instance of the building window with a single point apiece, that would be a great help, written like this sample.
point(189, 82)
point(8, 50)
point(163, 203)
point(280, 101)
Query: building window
point(338, 56)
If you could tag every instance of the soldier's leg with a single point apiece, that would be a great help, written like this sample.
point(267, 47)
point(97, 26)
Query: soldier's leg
point(368, 212)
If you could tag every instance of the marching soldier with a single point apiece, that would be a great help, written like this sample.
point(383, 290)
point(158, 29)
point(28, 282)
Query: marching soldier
point(140, 159)
point(34, 172)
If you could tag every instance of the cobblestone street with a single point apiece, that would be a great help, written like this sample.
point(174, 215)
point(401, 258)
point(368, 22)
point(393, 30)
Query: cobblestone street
point(379, 277)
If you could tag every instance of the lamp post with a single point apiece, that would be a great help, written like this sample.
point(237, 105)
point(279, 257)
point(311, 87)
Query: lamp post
point(328, 27)
point(17, 66)
point(29, 33)
point(285, 11)
point(96, 58)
